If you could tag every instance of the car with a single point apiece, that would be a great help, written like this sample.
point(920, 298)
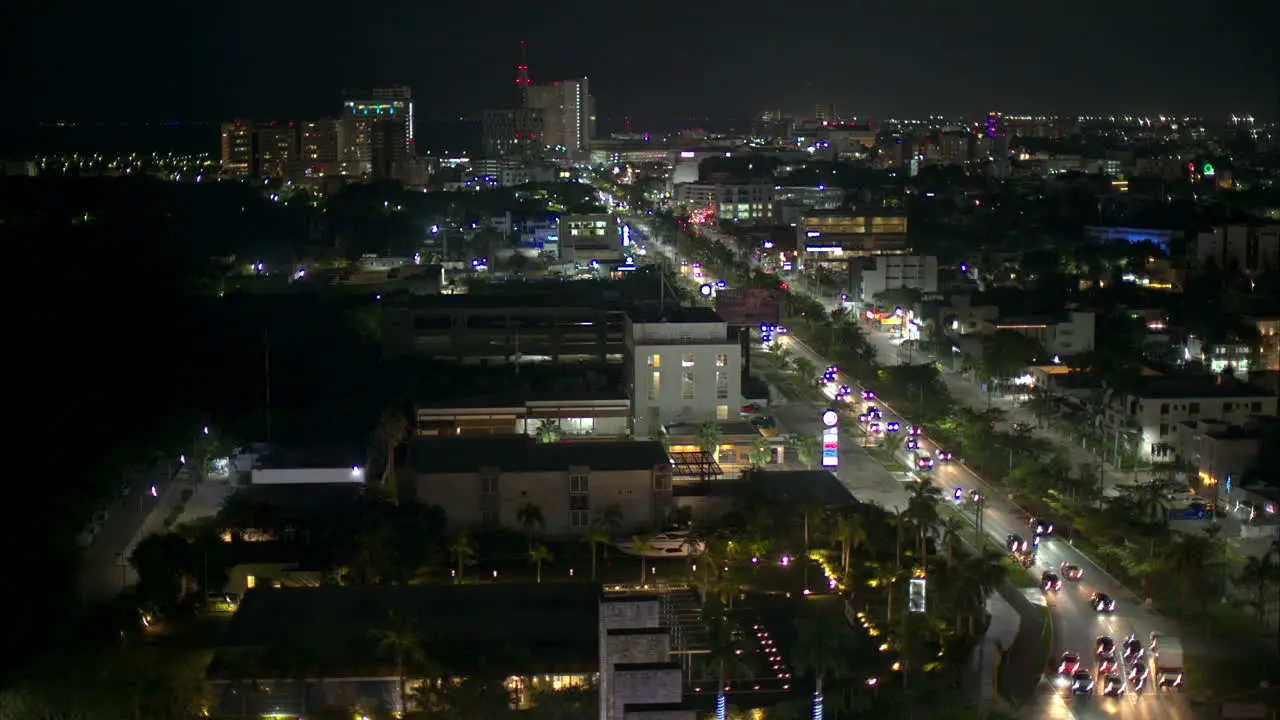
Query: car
point(915, 430)
point(975, 496)
point(862, 419)
point(1050, 581)
point(1105, 646)
point(1112, 685)
point(913, 444)
point(1138, 675)
point(924, 462)
point(1040, 527)
point(782, 330)
point(945, 456)
point(873, 428)
point(1081, 683)
point(844, 390)
point(1014, 543)
point(1102, 602)
point(1021, 427)
point(1107, 664)
point(874, 412)
point(868, 395)
point(893, 427)
point(1068, 663)
point(1071, 572)
point(1133, 650)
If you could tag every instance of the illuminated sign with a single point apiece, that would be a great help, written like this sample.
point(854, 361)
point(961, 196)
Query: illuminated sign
point(686, 154)
point(830, 418)
point(625, 268)
point(626, 236)
point(705, 290)
point(916, 595)
point(1208, 169)
point(813, 233)
point(823, 248)
point(830, 438)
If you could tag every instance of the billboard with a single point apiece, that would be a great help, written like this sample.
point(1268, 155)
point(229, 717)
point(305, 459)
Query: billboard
point(749, 307)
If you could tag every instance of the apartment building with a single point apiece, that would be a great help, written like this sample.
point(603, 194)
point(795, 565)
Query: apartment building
point(740, 202)
point(488, 481)
point(1154, 413)
point(892, 272)
point(1066, 334)
point(1240, 248)
point(682, 366)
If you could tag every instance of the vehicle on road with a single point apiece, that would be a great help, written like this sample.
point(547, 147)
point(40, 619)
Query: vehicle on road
point(1105, 645)
point(1102, 602)
point(924, 461)
point(1015, 544)
point(673, 543)
point(1166, 655)
point(1050, 581)
point(1133, 650)
point(1082, 683)
point(1112, 685)
point(915, 430)
point(868, 395)
point(975, 496)
point(945, 456)
point(1138, 676)
point(1071, 572)
point(1020, 428)
point(1069, 663)
point(1040, 527)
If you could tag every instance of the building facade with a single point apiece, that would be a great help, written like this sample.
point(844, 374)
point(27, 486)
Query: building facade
point(491, 481)
point(568, 120)
point(1153, 415)
point(745, 203)
point(681, 367)
point(1067, 334)
point(1240, 248)
point(893, 272)
point(518, 132)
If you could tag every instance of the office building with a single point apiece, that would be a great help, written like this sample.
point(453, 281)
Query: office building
point(377, 134)
point(744, 203)
point(253, 149)
point(566, 108)
point(318, 154)
point(487, 481)
point(238, 142)
point(894, 272)
point(682, 367)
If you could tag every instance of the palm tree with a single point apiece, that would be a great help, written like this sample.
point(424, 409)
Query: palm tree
point(922, 508)
point(851, 533)
point(401, 637)
point(708, 439)
point(642, 546)
point(1187, 555)
point(821, 649)
point(951, 528)
point(1257, 573)
point(531, 519)
point(885, 576)
point(539, 554)
point(806, 448)
point(723, 653)
point(595, 536)
point(461, 550)
point(391, 431)
point(760, 452)
point(549, 431)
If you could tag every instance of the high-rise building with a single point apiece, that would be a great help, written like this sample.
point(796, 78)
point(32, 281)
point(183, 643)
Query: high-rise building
point(567, 116)
point(517, 132)
point(238, 139)
point(377, 133)
point(277, 149)
point(258, 149)
point(318, 148)
point(825, 111)
point(522, 76)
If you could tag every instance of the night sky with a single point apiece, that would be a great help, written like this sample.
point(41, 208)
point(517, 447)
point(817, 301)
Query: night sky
point(664, 63)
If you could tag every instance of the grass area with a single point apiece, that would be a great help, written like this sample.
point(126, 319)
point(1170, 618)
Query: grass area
point(885, 457)
point(1020, 577)
point(1223, 676)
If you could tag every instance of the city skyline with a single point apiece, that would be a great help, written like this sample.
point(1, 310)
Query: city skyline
point(660, 67)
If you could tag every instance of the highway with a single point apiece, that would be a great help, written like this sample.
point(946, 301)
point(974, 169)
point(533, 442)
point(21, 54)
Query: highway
point(1076, 625)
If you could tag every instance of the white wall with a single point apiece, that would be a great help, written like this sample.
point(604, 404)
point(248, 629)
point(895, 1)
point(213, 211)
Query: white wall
point(916, 272)
point(460, 496)
point(306, 476)
point(1159, 417)
point(668, 403)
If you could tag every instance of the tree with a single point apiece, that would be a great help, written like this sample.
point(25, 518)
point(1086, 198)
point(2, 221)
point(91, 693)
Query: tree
point(164, 565)
point(1187, 556)
point(391, 432)
point(539, 554)
point(1005, 353)
point(884, 575)
point(922, 508)
point(595, 536)
point(821, 649)
point(532, 520)
point(951, 528)
point(462, 552)
point(723, 652)
point(1257, 574)
point(807, 450)
point(549, 431)
point(708, 440)
point(401, 637)
point(805, 368)
point(642, 546)
point(852, 533)
point(760, 453)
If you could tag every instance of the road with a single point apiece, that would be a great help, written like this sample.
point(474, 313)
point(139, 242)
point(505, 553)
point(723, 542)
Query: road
point(105, 571)
point(1076, 625)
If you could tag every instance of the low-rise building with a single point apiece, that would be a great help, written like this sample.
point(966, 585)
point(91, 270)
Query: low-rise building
point(1066, 334)
point(740, 202)
point(489, 481)
point(1219, 453)
point(895, 272)
point(682, 366)
point(1153, 413)
point(827, 236)
point(581, 417)
point(1235, 357)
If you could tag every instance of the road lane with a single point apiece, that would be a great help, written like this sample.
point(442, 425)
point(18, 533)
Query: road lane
point(104, 569)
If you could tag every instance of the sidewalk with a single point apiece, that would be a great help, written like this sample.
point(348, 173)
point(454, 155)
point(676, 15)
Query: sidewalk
point(1001, 635)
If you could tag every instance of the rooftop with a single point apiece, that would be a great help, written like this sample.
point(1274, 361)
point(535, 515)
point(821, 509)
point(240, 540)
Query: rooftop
point(1172, 387)
point(675, 315)
point(333, 631)
point(520, 453)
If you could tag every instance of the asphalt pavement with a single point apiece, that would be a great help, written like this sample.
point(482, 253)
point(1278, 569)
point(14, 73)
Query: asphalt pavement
point(105, 570)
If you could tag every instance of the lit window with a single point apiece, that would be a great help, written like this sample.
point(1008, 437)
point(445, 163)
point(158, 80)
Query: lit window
point(687, 360)
point(722, 360)
point(686, 386)
point(655, 360)
point(722, 385)
point(655, 385)
point(722, 412)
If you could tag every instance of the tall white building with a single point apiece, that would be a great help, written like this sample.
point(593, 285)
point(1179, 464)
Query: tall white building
point(682, 366)
point(567, 117)
point(1154, 413)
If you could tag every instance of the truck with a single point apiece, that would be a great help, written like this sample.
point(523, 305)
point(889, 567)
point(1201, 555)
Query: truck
point(1166, 658)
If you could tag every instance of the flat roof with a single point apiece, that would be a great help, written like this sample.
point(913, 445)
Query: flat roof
point(333, 631)
point(522, 401)
point(674, 315)
point(1173, 387)
point(521, 453)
